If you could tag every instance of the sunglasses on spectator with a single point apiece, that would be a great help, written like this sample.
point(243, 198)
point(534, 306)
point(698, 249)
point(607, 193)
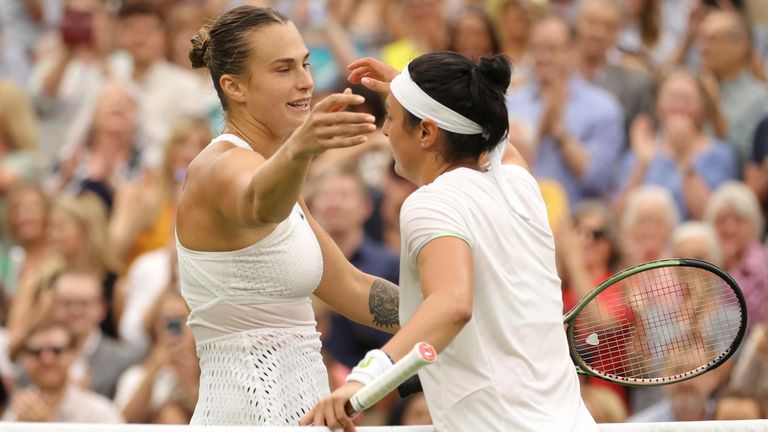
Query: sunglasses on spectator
point(37, 352)
point(596, 234)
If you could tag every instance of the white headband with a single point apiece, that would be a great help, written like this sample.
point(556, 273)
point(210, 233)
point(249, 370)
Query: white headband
point(419, 103)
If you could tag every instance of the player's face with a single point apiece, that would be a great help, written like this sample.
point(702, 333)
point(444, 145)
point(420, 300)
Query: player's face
point(405, 145)
point(279, 83)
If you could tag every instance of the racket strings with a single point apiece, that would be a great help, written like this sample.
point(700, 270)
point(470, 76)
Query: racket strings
point(658, 324)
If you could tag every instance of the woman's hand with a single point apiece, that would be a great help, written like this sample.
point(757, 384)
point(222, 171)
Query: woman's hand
point(330, 411)
point(329, 127)
point(643, 139)
point(372, 73)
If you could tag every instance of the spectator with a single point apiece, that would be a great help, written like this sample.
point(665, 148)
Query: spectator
point(144, 210)
point(166, 91)
point(514, 19)
point(47, 356)
point(724, 45)
point(424, 30)
point(341, 205)
point(646, 223)
point(100, 359)
point(690, 400)
point(472, 33)
point(644, 41)
point(580, 126)
point(183, 21)
point(696, 240)
point(734, 212)
point(163, 389)
point(26, 219)
point(597, 30)
point(20, 157)
point(23, 24)
point(26, 310)
point(683, 158)
point(67, 82)
point(110, 152)
point(143, 283)
point(588, 250)
point(756, 169)
point(78, 232)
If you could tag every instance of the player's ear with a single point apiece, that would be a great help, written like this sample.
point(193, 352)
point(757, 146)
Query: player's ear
point(428, 132)
point(233, 87)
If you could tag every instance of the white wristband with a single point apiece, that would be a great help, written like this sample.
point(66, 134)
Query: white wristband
point(375, 363)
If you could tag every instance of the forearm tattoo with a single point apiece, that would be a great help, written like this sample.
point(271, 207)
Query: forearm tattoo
point(384, 303)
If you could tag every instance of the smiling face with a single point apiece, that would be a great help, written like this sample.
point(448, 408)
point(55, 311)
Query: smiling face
point(47, 356)
point(680, 96)
point(27, 216)
point(276, 87)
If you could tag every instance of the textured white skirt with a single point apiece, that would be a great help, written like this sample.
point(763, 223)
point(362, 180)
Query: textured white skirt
point(268, 377)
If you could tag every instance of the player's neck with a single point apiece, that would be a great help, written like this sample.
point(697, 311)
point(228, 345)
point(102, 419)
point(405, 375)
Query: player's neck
point(255, 135)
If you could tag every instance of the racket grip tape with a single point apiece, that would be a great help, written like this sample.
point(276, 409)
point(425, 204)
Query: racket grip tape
point(421, 355)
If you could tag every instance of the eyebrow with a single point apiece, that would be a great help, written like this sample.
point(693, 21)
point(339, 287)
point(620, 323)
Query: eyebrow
point(288, 60)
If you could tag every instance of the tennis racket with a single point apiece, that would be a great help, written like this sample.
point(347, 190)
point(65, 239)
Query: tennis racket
point(421, 355)
point(657, 323)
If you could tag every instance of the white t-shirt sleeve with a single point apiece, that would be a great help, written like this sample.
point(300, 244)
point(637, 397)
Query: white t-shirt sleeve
point(429, 214)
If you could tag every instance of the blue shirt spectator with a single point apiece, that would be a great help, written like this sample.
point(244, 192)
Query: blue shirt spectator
point(715, 165)
point(593, 117)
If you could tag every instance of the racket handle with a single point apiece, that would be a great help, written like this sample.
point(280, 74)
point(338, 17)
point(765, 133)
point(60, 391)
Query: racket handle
point(421, 355)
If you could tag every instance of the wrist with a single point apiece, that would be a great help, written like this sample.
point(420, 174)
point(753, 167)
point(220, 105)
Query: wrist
point(375, 363)
point(294, 155)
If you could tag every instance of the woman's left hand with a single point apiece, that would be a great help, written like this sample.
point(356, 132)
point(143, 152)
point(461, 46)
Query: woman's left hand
point(373, 74)
point(330, 411)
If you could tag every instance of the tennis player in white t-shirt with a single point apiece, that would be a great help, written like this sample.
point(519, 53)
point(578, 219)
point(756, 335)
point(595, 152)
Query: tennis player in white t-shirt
point(478, 278)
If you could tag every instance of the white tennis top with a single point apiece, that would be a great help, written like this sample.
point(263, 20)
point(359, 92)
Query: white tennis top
point(254, 326)
point(509, 368)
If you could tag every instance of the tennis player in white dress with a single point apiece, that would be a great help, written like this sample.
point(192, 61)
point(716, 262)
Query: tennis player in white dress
point(249, 252)
point(478, 278)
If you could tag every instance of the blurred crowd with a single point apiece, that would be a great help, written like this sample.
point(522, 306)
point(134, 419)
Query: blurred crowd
point(645, 122)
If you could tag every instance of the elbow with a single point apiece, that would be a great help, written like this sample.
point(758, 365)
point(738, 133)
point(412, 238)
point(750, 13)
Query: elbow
point(460, 314)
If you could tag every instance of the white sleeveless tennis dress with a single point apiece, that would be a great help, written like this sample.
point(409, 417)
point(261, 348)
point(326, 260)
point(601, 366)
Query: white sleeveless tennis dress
point(254, 327)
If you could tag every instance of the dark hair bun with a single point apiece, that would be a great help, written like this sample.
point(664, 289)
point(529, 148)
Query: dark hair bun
point(200, 54)
point(496, 70)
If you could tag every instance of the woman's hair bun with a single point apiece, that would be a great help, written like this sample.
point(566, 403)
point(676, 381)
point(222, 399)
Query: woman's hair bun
point(200, 54)
point(496, 70)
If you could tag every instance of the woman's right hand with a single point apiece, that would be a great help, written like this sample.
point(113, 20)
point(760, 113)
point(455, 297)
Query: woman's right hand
point(329, 127)
point(373, 74)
